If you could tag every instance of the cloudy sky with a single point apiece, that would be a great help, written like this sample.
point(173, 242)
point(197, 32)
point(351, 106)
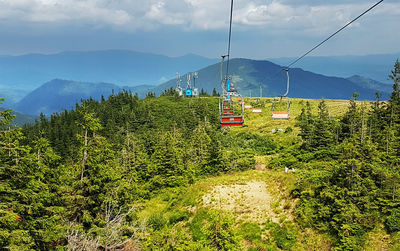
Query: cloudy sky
point(261, 28)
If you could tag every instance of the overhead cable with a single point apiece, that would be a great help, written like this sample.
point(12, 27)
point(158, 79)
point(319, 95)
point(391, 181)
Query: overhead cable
point(229, 39)
point(318, 45)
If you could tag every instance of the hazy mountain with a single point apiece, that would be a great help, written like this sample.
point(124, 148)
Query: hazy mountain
point(376, 67)
point(57, 95)
point(114, 66)
point(249, 74)
point(22, 119)
point(371, 84)
point(11, 95)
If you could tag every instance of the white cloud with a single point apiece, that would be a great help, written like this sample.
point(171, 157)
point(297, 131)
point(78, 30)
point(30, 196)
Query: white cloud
point(314, 17)
point(159, 13)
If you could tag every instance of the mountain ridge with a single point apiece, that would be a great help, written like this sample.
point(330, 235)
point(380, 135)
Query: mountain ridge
point(374, 66)
point(57, 95)
point(249, 74)
point(122, 67)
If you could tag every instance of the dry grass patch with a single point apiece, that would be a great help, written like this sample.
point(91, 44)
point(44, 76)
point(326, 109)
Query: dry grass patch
point(250, 201)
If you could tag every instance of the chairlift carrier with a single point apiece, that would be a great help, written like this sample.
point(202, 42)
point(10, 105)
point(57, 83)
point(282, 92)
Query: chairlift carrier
point(282, 115)
point(229, 113)
point(229, 116)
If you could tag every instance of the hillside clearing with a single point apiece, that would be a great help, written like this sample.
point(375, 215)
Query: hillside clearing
point(250, 201)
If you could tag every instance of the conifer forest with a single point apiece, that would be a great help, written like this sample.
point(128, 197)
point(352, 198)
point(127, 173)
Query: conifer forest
point(159, 173)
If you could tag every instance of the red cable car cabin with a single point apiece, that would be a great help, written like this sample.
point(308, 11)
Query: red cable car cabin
point(227, 114)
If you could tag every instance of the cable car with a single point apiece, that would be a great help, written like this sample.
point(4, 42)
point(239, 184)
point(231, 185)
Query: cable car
point(231, 105)
point(189, 92)
point(277, 104)
point(281, 105)
point(229, 116)
point(230, 113)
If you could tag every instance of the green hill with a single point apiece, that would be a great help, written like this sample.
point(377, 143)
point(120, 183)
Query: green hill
point(161, 174)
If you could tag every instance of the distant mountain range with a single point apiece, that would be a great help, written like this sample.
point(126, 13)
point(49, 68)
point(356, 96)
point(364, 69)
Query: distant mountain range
point(375, 67)
point(20, 75)
point(121, 67)
point(248, 75)
point(371, 84)
point(58, 95)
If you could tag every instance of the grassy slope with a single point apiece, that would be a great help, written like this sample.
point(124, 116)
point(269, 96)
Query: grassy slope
point(188, 204)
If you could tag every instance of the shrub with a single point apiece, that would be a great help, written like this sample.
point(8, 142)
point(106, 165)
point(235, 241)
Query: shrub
point(393, 221)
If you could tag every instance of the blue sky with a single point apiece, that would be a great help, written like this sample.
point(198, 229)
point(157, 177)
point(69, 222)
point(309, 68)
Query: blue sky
point(261, 28)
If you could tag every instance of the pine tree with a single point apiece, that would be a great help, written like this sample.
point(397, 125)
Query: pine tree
point(89, 124)
point(323, 129)
point(203, 93)
point(351, 121)
point(393, 112)
point(376, 121)
point(215, 93)
point(30, 207)
point(306, 123)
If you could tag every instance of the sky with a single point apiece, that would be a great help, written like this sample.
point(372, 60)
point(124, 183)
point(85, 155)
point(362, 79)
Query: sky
point(261, 28)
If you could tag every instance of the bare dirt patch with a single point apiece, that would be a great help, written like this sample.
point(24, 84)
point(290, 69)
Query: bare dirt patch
point(261, 167)
point(250, 201)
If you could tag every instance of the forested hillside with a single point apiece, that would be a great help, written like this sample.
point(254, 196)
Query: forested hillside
point(65, 175)
point(160, 174)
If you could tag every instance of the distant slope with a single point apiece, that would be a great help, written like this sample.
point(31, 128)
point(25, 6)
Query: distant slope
point(249, 74)
point(376, 67)
point(371, 84)
point(57, 95)
point(11, 95)
point(114, 66)
point(21, 119)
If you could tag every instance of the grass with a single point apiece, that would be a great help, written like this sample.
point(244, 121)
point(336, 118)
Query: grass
point(188, 211)
point(183, 208)
point(263, 123)
point(378, 240)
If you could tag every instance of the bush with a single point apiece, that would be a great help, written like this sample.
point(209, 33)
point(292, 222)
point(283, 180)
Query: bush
point(215, 229)
point(177, 216)
point(285, 236)
point(289, 129)
point(259, 144)
point(250, 231)
point(157, 221)
point(393, 221)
